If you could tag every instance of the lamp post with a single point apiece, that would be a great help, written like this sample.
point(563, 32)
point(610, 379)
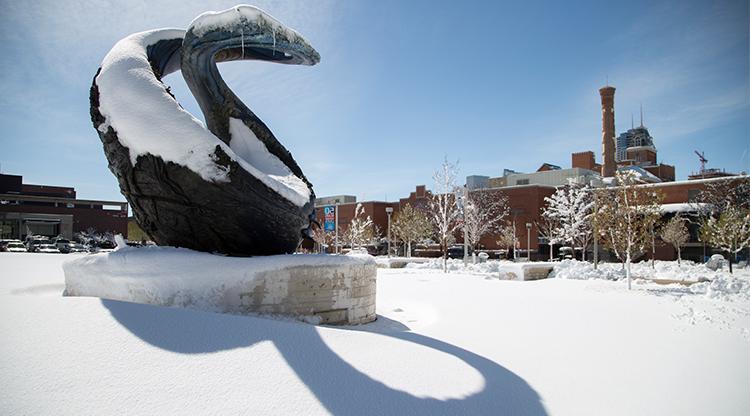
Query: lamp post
point(528, 241)
point(336, 228)
point(464, 200)
point(389, 211)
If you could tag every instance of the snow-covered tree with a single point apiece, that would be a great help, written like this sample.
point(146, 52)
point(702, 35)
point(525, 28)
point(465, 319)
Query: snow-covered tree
point(92, 237)
point(322, 238)
point(625, 216)
point(675, 232)
point(360, 230)
point(506, 237)
point(720, 195)
point(729, 232)
point(410, 225)
point(443, 206)
point(484, 213)
point(571, 208)
point(548, 228)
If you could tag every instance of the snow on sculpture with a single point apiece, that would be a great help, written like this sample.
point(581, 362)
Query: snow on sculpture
point(229, 187)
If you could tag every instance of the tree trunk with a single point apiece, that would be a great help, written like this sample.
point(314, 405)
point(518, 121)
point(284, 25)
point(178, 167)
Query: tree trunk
point(408, 249)
point(679, 256)
point(627, 269)
point(729, 258)
point(445, 258)
point(550, 251)
point(653, 248)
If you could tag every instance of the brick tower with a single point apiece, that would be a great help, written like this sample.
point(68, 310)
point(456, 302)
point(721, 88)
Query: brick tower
point(608, 131)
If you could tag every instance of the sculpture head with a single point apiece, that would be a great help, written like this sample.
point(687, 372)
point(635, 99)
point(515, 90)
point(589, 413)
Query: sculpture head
point(246, 32)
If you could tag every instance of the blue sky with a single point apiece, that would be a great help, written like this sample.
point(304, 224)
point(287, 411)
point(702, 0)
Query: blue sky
point(401, 84)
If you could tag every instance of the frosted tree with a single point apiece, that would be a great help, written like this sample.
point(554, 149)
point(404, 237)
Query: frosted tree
point(729, 232)
point(484, 213)
point(720, 195)
point(410, 225)
point(91, 236)
point(322, 238)
point(548, 228)
point(443, 206)
point(625, 217)
point(360, 229)
point(675, 232)
point(506, 237)
point(571, 208)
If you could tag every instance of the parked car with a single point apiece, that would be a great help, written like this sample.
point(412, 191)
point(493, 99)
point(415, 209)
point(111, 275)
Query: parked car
point(13, 246)
point(566, 253)
point(4, 244)
point(63, 245)
point(456, 252)
point(47, 248)
point(77, 248)
point(33, 245)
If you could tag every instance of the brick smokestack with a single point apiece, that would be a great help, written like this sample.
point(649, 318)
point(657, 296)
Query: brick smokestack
point(608, 131)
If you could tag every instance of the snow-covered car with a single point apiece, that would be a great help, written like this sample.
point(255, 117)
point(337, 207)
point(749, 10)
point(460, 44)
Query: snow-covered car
point(13, 246)
point(47, 248)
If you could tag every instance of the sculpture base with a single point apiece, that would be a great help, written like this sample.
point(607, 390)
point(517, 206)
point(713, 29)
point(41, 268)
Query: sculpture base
point(324, 289)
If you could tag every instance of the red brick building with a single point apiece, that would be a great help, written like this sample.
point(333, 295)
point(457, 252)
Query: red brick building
point(525, 204)
point(54, 210)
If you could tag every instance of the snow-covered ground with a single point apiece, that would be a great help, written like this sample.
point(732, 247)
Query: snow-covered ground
point(461, 343)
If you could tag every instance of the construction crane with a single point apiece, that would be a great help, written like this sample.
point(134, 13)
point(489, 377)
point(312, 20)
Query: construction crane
point(702, 158)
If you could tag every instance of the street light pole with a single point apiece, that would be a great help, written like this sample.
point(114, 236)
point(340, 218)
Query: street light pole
point(528, 241)
point(466, 234)
point(336, 227)
point(389, 211)
point(515, 256)
point(596, 235)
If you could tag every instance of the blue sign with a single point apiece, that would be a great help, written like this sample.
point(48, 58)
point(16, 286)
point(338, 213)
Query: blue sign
point(329, 215)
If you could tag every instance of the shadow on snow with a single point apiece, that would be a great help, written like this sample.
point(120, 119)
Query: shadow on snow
point(340, 387)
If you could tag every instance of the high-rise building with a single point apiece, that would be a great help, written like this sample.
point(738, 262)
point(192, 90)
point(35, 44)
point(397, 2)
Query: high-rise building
point(635, 137)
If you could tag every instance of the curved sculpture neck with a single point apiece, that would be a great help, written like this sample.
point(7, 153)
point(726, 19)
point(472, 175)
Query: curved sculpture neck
point(216, 100)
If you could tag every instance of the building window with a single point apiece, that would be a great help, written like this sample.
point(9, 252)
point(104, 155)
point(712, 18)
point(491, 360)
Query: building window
point(522, 182)
point(9, 229)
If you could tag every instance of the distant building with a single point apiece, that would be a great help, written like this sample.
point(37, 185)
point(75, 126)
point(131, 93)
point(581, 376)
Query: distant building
point(27, 209)
point(711, 173)
point(635, 147)
point(554, 177)
point(633, 138)
point(334, 200)
point(548, 166)
point(476, 182)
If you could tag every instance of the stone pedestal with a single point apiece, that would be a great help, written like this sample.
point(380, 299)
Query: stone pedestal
point(324, 289)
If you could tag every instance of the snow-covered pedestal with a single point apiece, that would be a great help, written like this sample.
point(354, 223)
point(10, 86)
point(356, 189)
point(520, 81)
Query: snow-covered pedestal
point(317, 288)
